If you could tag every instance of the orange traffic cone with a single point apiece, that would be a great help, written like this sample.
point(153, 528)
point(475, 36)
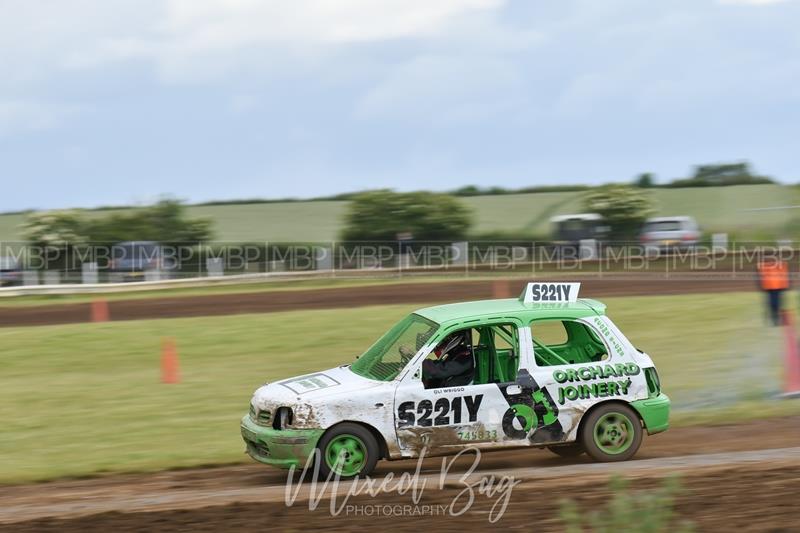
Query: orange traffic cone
point(169, 361)
point(99, 311)
point(791, 361)
point(501, 288)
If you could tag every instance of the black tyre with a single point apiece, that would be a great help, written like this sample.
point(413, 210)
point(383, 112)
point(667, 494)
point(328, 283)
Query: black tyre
point(348, 449)
point(612, 432)
point(573, 449)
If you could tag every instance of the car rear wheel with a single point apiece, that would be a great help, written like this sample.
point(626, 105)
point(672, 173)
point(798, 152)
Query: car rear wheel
point(573, 449)
point(612, 432)
point(348, 450)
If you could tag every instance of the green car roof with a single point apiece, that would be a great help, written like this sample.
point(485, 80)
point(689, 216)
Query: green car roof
point(511, 307)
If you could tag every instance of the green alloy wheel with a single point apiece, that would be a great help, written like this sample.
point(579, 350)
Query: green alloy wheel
point(612, 432)
point(348, 450)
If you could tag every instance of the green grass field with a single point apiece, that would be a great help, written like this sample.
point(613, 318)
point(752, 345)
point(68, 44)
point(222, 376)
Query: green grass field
point(84, 399)
point(718, 209)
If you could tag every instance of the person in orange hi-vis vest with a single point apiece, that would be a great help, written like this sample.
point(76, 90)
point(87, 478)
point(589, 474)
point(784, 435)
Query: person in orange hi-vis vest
point(773, 277)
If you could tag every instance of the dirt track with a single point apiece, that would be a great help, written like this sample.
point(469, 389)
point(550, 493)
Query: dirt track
point(734, 488)
point(271, 301)
point(754, 499)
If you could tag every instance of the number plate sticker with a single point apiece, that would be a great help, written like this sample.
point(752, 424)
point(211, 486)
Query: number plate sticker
point(442, 412)
point(551, 292)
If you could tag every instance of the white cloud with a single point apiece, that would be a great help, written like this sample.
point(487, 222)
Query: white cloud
point(180, 36)
point(443, 88)
point(196, 39)
point(206, 41)
point(457, 60)
point(679, 62)
point(226, 23)
point(38, 37)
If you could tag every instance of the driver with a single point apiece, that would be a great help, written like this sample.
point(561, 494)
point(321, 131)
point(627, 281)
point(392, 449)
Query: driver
point(453, 365)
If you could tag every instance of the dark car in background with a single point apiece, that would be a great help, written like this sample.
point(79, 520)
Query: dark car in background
point(10, 271)
point(579, 235)
point(571, 229)
point(135, 261)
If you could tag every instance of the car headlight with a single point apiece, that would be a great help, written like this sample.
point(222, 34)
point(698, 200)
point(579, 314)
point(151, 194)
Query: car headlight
point(262, 417)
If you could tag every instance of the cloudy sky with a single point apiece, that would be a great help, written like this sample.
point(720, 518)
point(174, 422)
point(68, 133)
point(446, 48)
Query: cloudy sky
point(122, 101)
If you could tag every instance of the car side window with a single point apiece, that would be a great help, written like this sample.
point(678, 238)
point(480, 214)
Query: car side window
point(566, 342)
point(452, 361)
point(496, 353)
point(492, 351)
point(550, 332)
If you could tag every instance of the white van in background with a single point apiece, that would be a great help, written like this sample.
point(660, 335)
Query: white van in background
point(670, 232)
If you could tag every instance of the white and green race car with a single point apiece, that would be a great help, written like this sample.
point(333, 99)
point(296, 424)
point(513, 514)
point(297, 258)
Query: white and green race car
point(546, 369)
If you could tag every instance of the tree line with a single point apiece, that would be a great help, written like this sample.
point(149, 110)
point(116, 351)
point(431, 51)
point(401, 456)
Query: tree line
point(379, 215)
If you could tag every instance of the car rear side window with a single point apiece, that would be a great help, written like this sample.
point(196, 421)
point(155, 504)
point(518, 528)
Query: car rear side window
point(566, 342)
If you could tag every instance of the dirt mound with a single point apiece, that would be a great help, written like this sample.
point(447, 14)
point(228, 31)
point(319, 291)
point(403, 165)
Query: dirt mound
point(272, 301)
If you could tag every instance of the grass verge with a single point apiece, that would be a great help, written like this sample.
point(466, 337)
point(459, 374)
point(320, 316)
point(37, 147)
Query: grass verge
point(84, 399)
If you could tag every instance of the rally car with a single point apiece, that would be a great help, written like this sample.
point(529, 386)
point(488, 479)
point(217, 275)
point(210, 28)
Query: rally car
point(546, 369)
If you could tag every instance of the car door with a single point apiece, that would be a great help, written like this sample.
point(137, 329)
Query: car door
point(448, 418)
point(588, 365)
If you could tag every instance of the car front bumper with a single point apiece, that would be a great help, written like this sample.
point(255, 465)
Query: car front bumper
point(654, 412)
point(281, 448)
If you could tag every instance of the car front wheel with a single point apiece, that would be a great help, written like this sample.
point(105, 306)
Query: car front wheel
point(348, 450)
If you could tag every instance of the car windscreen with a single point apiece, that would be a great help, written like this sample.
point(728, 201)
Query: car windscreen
point(575, 224)
point(384, 360)
point(665, 225)
point(575, 229)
